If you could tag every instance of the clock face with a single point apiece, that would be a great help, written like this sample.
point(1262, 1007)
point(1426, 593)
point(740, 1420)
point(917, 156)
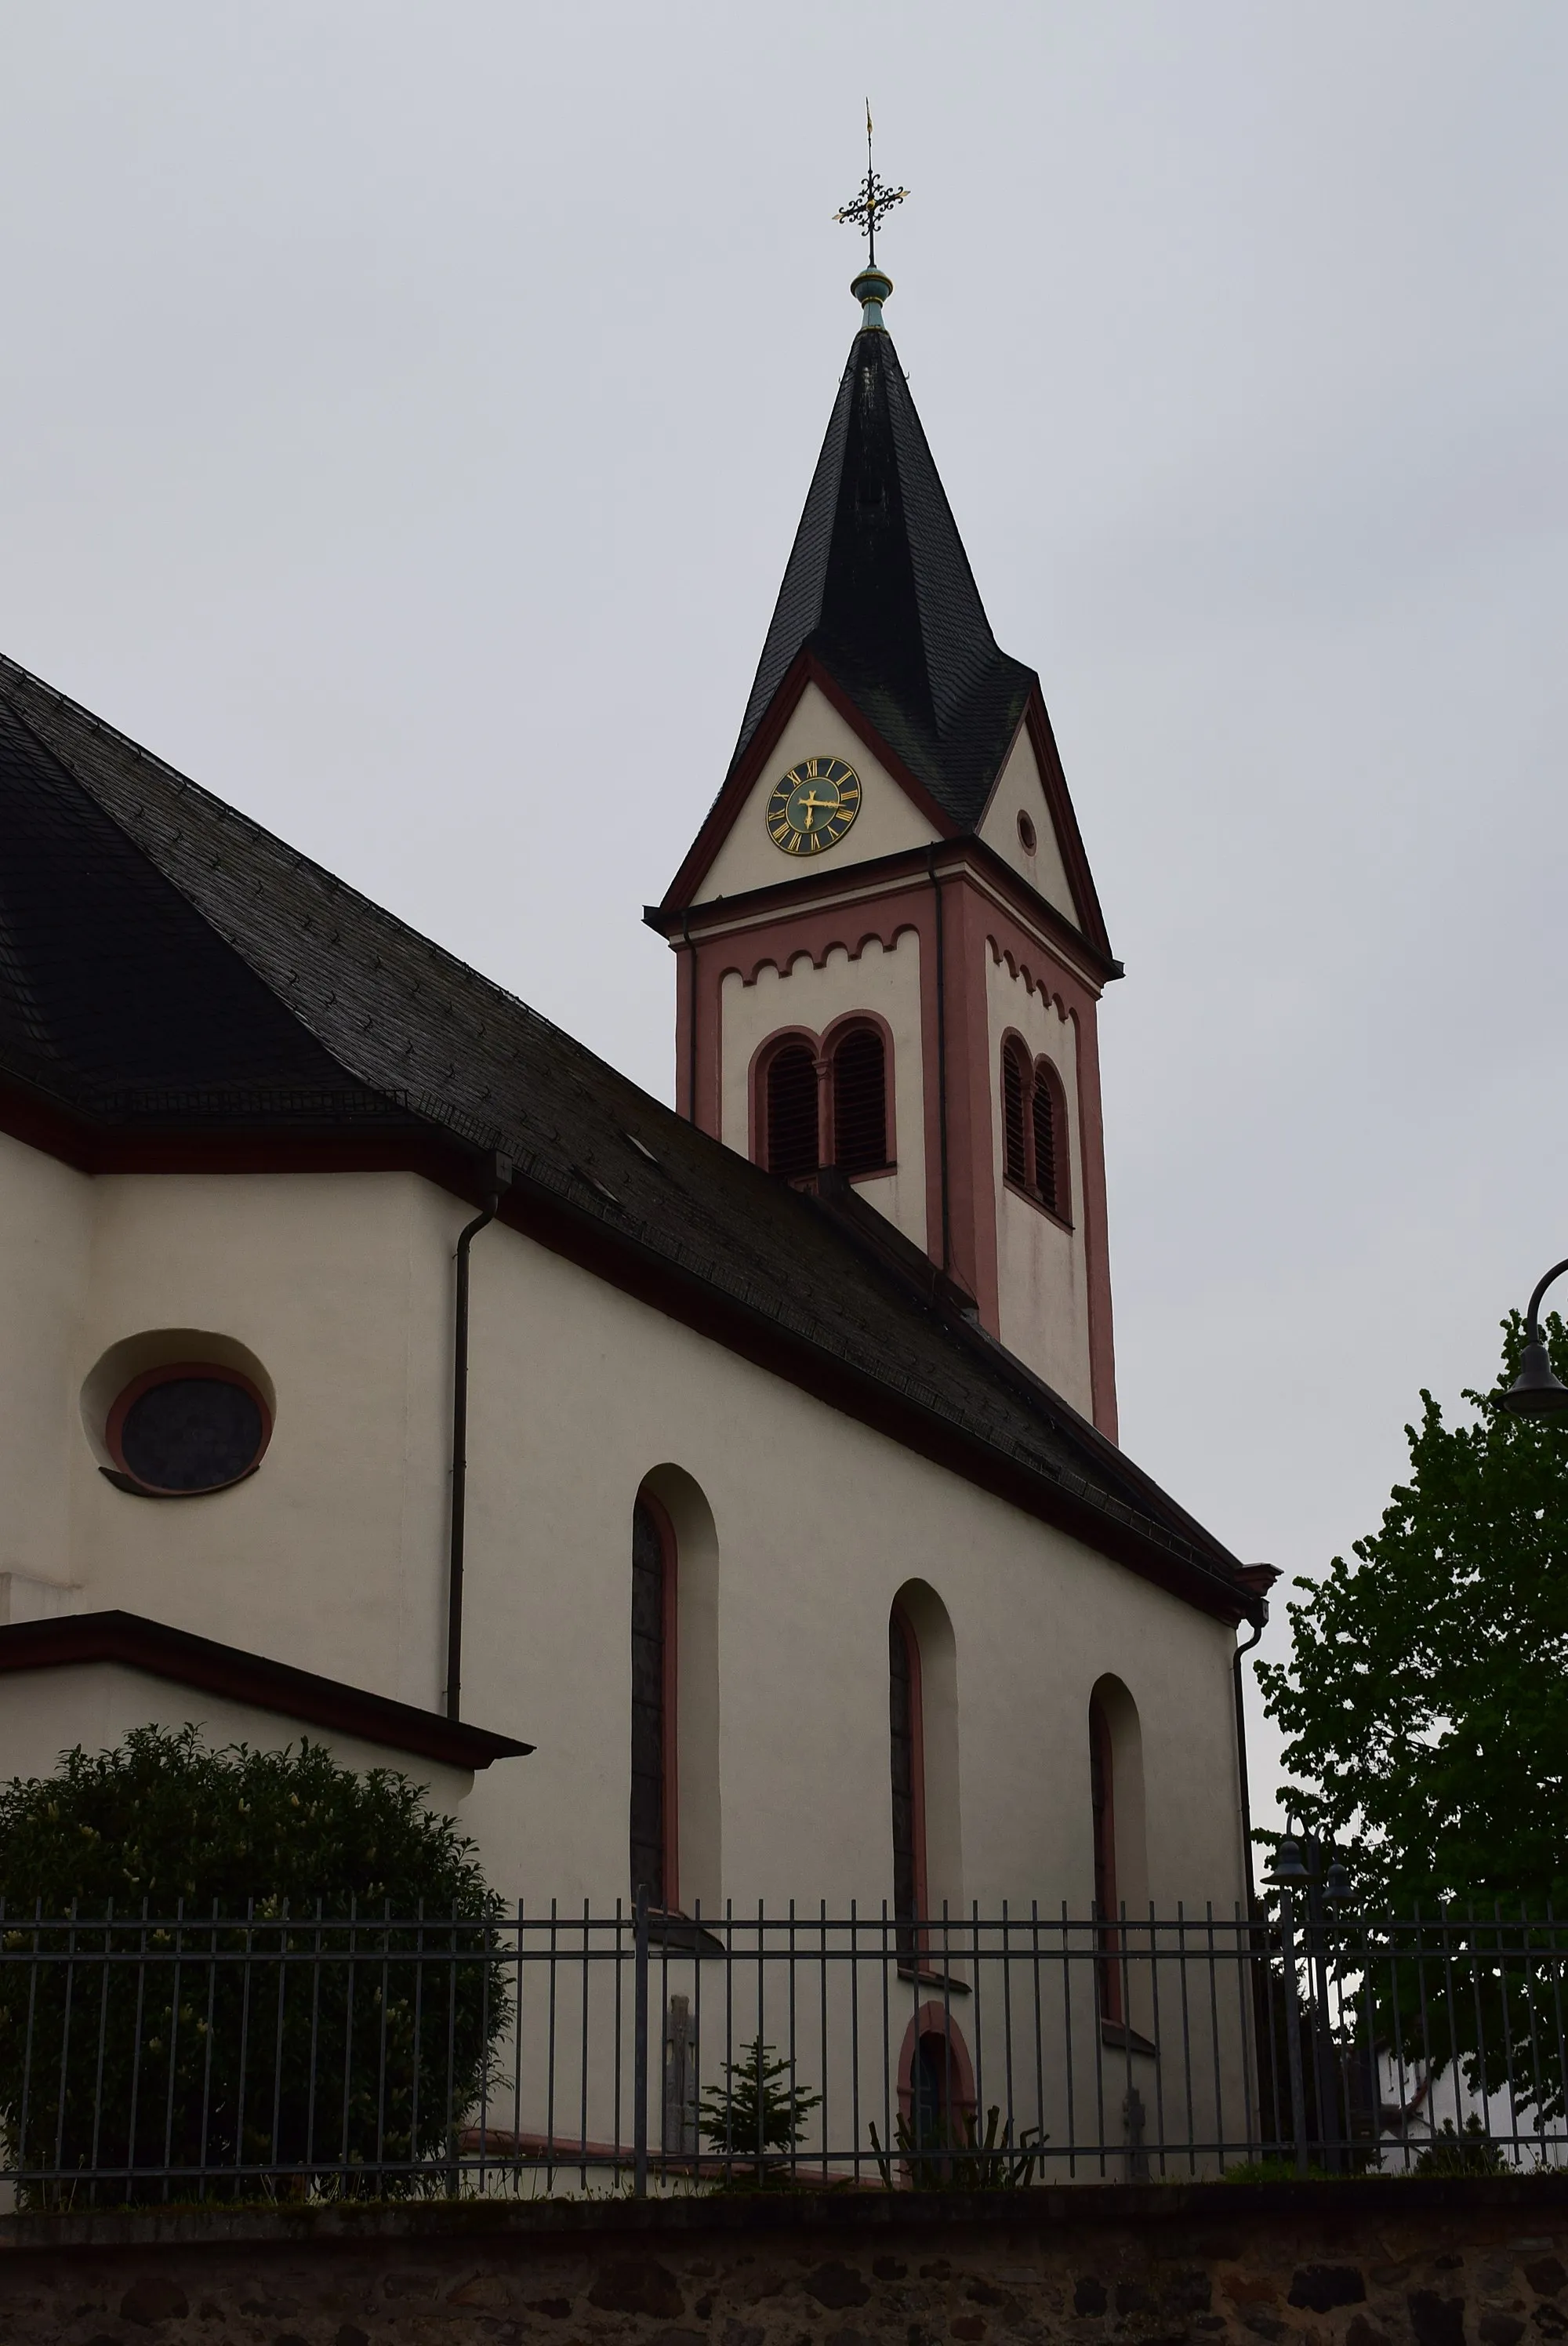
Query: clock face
point(813, 805)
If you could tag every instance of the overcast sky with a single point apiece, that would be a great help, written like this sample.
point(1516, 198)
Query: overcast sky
point(405, 412)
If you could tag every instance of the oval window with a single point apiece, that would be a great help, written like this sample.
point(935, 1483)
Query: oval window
point(188, 1428)
point(1026, 838)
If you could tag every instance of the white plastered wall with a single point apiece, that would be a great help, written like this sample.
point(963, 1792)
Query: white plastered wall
point(333, 1556)
point(46, 1214)
point(888, 822)
point(1019, 791)
point(341, 1287)
point(885, 981)
point(1042, 1274)
point(820, 1522)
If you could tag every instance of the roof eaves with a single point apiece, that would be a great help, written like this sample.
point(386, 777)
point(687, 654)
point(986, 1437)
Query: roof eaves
point(1095, 1502)
point(135, 1642)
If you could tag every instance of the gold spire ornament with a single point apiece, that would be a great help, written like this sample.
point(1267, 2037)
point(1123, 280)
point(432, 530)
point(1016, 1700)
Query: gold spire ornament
point(872, 286)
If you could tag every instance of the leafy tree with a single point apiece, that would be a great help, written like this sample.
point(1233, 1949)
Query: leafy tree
point(199, 1971)
point(1425, 1710)
point(1425, 1705)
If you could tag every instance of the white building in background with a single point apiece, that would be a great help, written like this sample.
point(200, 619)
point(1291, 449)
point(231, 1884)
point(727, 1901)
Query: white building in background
point(799, 1557)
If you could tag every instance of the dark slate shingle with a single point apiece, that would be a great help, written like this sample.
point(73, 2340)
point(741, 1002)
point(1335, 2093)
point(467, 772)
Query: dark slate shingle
point(879, 587)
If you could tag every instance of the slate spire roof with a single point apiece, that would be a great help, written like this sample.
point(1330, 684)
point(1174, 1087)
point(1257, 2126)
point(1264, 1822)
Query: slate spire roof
point(879, 587)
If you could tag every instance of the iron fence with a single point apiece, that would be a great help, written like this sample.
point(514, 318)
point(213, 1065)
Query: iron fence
point(281, 2055)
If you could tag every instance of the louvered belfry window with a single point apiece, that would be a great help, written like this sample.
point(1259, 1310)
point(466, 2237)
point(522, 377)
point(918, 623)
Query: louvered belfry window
point(1015, 1131)
point(860, 1102)
point(1034, 1128)
point(1043, 1112)
point(792, 1148)
point(648, 1722)
point(1050, 1117)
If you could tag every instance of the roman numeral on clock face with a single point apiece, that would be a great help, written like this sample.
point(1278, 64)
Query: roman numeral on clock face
point(811, 807)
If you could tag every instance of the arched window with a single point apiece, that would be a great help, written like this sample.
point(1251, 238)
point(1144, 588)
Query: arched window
point(860, 1101)
point(654, 1807)
point(1034, 1128)
point(936, 2089)
point(1102, 1799)
point(792, 1143)
point(908, 1744)
point(1049, 1118)
point(1014, 1128)
point(1121, 1856)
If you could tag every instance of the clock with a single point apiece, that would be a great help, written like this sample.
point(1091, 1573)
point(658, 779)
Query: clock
point(813, 806)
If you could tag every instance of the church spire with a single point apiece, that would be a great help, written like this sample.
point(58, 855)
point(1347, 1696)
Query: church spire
point(890, 952)
point(878, 587)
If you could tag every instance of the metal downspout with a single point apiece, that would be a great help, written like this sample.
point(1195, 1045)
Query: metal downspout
point(500, 1178)
point(941, 1065)
point(1235, 1659)
point(691, 1025)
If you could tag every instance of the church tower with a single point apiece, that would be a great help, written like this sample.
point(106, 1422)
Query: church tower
point(890, 952)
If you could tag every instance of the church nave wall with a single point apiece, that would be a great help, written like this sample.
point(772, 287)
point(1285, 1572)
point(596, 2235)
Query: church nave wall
point(797, 1527)
point(818, 1523)
point(338, 1285)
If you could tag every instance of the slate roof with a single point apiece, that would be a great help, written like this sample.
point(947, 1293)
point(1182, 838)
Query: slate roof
point(879, 587)
point(165, 962)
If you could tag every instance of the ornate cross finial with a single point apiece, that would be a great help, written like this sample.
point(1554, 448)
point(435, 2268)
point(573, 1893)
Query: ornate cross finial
point(873, 199)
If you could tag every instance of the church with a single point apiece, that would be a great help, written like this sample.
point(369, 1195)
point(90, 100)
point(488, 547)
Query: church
point(724, 1500)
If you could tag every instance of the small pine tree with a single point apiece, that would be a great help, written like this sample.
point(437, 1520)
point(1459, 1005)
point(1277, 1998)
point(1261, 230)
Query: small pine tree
point(754, 2113)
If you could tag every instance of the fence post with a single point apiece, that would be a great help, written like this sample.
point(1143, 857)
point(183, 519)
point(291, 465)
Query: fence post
point(640, 2045)
point(1293, 2026)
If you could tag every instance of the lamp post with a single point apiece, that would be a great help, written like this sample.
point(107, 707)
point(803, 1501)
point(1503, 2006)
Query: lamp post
point(1535, 1390)
point(1299, 1865)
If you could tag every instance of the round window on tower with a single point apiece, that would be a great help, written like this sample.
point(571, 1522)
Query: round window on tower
point(1026, 838)
point(188, 1427)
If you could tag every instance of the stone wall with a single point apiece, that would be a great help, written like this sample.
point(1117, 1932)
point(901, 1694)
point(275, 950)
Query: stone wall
point(1366, 2263)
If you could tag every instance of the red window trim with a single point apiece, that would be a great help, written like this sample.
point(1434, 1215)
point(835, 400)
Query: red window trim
point(936, 2019)
point(168, 1373)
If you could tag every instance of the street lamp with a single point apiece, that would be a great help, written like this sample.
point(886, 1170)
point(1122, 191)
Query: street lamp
point(1299, 1865)
point(1535, 1391)
point(1289, 1865)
